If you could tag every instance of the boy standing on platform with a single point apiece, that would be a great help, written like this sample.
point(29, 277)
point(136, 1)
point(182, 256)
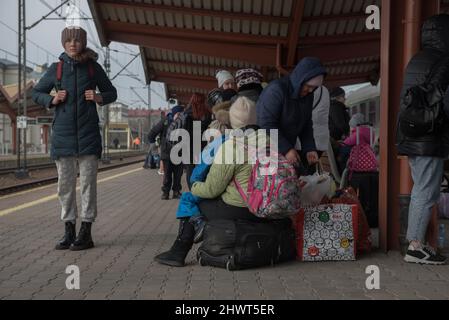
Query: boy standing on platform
point(76, 139)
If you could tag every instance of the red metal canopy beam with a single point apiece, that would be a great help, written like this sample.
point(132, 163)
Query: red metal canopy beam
point(194, 11)
point(185, 76)
point(339, 17)
point(181, 96)
point(349, 79)
point(192, 65)
point(295, 27)
point(360, 37)
point(204, 35)
point(244, 52)
point(183, 89)
point(205, 83)
point(342, 51)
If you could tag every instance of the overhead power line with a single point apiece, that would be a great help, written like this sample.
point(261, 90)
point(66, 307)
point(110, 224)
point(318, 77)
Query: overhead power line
point(47, 15)
point(124, 68)
point(16, 56)
point(30, 41)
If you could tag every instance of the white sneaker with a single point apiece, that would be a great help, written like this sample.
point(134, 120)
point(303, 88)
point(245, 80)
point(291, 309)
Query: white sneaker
point(424, 255)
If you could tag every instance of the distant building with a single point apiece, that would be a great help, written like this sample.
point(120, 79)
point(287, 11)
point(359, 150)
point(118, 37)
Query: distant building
point(119, 126)
point(9, 72)
point(37, 132)
point(142, 120)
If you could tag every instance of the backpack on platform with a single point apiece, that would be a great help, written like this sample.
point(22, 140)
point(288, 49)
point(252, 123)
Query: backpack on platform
point(272, 194)
point(423, 108)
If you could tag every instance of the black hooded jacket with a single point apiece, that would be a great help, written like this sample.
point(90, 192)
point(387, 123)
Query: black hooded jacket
point(338, 120)
point(281, 107)
point(428, 64)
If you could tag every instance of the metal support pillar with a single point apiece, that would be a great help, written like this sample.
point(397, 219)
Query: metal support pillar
point(21, 171)
point(106, 156)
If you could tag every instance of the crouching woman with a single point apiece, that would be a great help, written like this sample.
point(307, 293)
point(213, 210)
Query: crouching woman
point(220, 198)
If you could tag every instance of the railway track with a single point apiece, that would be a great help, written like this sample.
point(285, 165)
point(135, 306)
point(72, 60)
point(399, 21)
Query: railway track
point(42, 166)
point(51, 164)
point(50, 180)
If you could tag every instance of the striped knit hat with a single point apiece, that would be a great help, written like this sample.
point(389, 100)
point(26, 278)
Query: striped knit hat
point(77, 33)
point(248, 76)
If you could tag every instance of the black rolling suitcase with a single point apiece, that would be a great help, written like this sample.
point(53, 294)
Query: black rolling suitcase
point(238, 245)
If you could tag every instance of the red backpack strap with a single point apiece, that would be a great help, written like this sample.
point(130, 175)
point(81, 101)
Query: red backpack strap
point(59, 67)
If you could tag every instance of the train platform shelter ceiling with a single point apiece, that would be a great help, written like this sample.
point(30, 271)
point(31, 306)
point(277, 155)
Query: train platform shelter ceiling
point(185, 42)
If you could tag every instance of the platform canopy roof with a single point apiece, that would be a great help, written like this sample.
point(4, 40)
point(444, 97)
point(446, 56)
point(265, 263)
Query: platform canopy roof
point(184, 42)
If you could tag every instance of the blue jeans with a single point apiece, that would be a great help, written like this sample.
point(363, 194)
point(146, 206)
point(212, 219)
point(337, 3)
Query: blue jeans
point(427, 174)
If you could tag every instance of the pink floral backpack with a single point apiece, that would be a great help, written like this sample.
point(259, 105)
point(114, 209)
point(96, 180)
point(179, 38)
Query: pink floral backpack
point(272, 194)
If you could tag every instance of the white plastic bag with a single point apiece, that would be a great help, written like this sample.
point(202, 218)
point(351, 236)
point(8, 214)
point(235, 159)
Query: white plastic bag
point(315, 188)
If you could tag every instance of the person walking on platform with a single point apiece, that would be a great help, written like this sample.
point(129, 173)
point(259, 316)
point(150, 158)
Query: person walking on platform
point(338, 124)
point(172, 172)
point(338, 115)
point(76, 138)
point(197, 114)
point(426, 152)
point(136, 143)
point(286, 105)
point(116, 143)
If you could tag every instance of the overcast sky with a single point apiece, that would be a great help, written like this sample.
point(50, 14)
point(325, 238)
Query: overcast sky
point(47, 35)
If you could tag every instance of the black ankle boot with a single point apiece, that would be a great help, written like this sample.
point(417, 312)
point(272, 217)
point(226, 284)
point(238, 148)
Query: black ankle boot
point(177, 195)
point(165, 196)
point(69, 237)
point(176, 256)
point(84, 239)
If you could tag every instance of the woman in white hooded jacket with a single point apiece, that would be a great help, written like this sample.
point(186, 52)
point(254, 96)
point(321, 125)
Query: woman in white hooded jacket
point(320, 117)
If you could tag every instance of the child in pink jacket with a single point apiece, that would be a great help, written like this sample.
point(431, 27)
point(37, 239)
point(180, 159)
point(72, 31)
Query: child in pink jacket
point(364, 135)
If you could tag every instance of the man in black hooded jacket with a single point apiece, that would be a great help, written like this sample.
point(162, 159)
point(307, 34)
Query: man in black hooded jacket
point(338, 115)
point(426, 153)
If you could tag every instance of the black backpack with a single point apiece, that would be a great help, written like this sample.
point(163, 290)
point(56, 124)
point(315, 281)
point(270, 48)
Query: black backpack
point(241, 244)
point(174, 125)
point(422, 113)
